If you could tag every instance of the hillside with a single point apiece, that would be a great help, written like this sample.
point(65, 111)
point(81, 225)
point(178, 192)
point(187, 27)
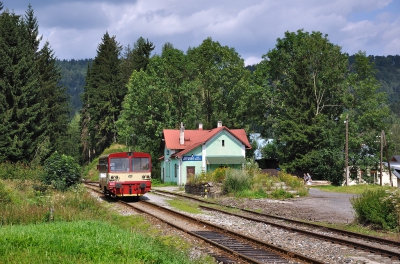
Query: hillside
point(73, 77)
point(388, 74)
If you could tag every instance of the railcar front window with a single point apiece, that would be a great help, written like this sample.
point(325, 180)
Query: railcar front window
point(119, 164)
point(140, 164)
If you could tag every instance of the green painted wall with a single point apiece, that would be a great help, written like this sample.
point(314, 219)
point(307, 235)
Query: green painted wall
point(232, 146)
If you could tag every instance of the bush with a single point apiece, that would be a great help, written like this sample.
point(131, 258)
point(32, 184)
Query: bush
point(236, 181)
point(374, 207)
point(61, 171)
point(218, 174)
point(5, 196)
point(20, 171)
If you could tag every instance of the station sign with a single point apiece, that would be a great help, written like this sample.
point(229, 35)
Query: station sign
point(192, 158)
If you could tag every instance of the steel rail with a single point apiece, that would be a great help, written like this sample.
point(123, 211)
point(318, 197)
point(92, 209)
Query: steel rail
point(286, 254)
point(325, 228)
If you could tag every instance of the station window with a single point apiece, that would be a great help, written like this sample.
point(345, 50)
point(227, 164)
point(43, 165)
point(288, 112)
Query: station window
point(223, 143)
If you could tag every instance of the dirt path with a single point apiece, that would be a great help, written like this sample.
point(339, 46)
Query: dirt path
point(319, 206)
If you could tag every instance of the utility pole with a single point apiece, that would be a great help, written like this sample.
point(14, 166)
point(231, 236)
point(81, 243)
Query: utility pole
point(384, 142)
point(380, 163)
point(347, 150)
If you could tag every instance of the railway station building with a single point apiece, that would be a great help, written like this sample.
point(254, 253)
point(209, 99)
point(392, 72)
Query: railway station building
point(189, 152)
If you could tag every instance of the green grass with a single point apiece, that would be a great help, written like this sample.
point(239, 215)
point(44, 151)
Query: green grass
point(82, 242)
point(91, 173)
point(354, 189)
point(79, 229)
point(158, 183)
point(183, 205)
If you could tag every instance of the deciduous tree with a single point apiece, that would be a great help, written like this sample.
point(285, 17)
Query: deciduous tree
point(307, 73)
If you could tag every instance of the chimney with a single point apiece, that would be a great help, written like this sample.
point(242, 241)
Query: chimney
point(182, 134)
point(200, 126)
point(219, 124)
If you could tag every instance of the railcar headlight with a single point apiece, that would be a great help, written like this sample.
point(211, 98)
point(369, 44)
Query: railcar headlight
point(143, 176)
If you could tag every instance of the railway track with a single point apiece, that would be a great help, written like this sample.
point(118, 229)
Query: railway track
point(239, 248)
point(387, 249)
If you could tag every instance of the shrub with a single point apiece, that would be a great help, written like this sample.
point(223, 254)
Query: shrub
point(219, 174)
point(5, 196)
point(61, 171)
point(290, 180)
point(201, 178)
point(263, 181)
point(20, 171)
point(375, 207)
point(280, 193)
point(236, 181)
point(252, 167)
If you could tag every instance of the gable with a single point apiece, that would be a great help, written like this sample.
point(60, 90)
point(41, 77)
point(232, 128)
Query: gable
point(224, 144)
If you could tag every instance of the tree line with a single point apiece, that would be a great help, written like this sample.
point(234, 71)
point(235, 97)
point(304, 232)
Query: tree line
point(299, 95)
point(33, 107)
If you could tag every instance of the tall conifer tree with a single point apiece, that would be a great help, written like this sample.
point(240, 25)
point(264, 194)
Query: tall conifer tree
point(104, 91)
point(19, 83)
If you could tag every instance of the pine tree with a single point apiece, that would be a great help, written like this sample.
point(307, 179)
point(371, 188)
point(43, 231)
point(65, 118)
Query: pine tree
point(54, 104)
point(141, 53)
point(19, 85)
point(104, 91)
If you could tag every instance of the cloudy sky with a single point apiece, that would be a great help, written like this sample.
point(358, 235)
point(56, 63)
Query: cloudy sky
point(75, 28)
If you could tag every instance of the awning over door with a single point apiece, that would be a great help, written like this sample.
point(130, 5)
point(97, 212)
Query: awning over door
point(226, 160)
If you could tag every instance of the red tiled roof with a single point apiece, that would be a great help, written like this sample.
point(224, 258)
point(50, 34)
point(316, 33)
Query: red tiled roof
point(194, 138)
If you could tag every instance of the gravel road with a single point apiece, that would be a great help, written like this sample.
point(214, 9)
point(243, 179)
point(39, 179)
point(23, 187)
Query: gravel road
point(318, 206)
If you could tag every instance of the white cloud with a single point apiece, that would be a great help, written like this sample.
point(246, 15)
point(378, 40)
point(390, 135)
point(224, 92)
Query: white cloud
point(74, 28)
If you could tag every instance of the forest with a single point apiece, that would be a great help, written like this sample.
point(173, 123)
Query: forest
point(299, 96)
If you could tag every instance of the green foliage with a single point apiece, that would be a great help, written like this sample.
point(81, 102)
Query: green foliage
point(5, 196)
point(378, 208)
point(90, 172)
point(280, 193)
point(236, 181)
point(33, 106)
point(290, 180)
point(367, 111)
point(158, 183)
point(102, 100)
point(263, 181)
point(62, 171)
point(73, 78)
point(78, 222)
point(307, 74)
point(19, 89)
point(20, 171)
point(251, 167)
point(219, 174)
point(54, 103)
point(69, 143)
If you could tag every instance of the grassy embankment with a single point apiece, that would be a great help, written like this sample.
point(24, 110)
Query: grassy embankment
point(41, 225)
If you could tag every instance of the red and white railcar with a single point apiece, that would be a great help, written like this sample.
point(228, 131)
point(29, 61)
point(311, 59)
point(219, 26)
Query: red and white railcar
point(125, 174)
